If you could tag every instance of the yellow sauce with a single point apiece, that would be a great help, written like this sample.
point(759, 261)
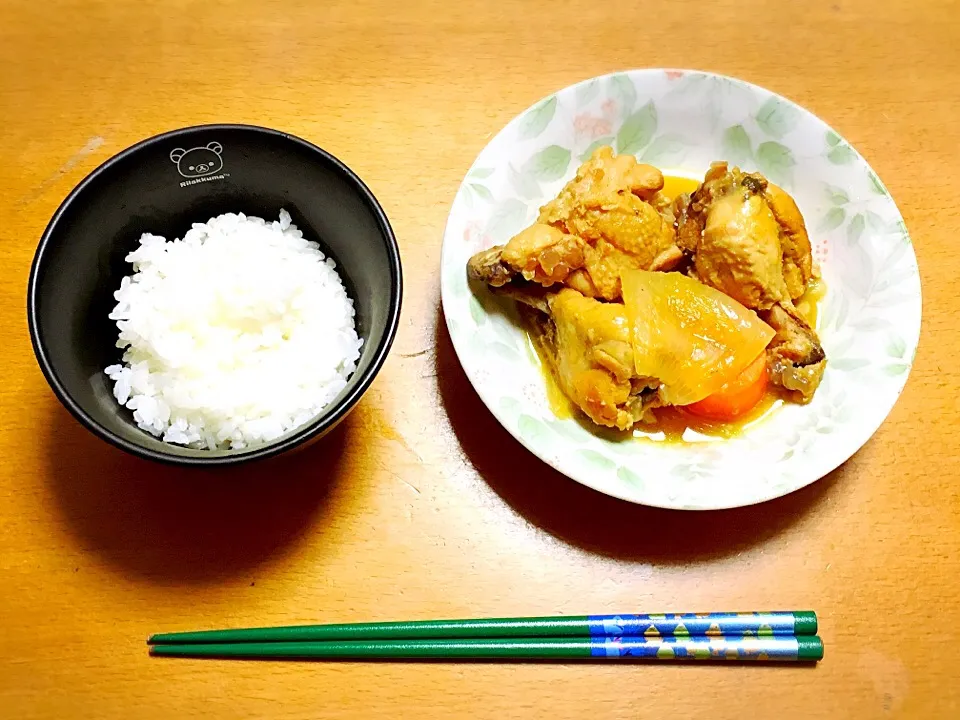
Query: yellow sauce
point(674, 185)
point(809, 303)
point(560, 405)
point(674, 424)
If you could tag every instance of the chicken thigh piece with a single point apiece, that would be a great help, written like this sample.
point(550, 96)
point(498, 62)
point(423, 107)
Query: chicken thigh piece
point(609, 205)
point(747, 238)
point(588, 348)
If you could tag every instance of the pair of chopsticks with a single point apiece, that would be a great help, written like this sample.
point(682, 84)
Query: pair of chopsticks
point(727, 636)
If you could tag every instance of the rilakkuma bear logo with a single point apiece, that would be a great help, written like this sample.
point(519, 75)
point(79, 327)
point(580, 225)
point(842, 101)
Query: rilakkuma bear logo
point(199, 161)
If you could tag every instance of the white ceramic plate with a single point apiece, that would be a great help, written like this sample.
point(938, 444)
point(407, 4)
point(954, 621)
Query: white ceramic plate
point(680, 121)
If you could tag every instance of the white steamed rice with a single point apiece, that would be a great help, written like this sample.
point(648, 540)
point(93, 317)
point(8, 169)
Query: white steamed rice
point(233, 335)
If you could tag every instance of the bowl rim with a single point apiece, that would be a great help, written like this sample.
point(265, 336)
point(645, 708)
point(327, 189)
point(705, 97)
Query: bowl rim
point(328, 418)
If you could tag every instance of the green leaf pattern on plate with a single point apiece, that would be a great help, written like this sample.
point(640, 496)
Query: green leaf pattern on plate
point(664, 150)
point(736, 145)
point(597, 461)
point(836, 196)
point(503, 351)
point(896, 347)
point(524, 183)
point(477, 312)
point(833, 219)
point(569, 430)
point(855, 228)
point(777, 118)
point(466, 196)
point(510, 406)
point(637, 130)
point(549, 164)
point(624, 92)
point(587, 92)
point(536, 120)
point(481, 191)
point(776, 161)
point(629, 477)
point(839, 152)
point(868, 322)
point(533, 430)
point(507, 219)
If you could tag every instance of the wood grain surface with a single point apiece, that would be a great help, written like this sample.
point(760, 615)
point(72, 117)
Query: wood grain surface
point(420, 505)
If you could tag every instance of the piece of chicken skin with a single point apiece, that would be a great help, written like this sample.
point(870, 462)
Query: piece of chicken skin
point(739, 252)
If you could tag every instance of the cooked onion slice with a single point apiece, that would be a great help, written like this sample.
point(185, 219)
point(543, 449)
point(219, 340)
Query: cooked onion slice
point(692, 338)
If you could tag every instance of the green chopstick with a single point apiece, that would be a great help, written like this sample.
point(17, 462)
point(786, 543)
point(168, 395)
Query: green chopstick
point(719, 624)
point(807, 648)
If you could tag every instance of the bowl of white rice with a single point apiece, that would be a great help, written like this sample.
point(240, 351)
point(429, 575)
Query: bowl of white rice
point(214, 295)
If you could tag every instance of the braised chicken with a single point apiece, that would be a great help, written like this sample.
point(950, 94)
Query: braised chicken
point(677, 340)
point(747, 238)
point(601, 224)
point(674, 341)
point(608, 204)
point(541, 253)
point(796, 358)
point(587, 344)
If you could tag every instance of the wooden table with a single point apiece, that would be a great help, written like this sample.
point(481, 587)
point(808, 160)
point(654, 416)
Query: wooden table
point(420, 505)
